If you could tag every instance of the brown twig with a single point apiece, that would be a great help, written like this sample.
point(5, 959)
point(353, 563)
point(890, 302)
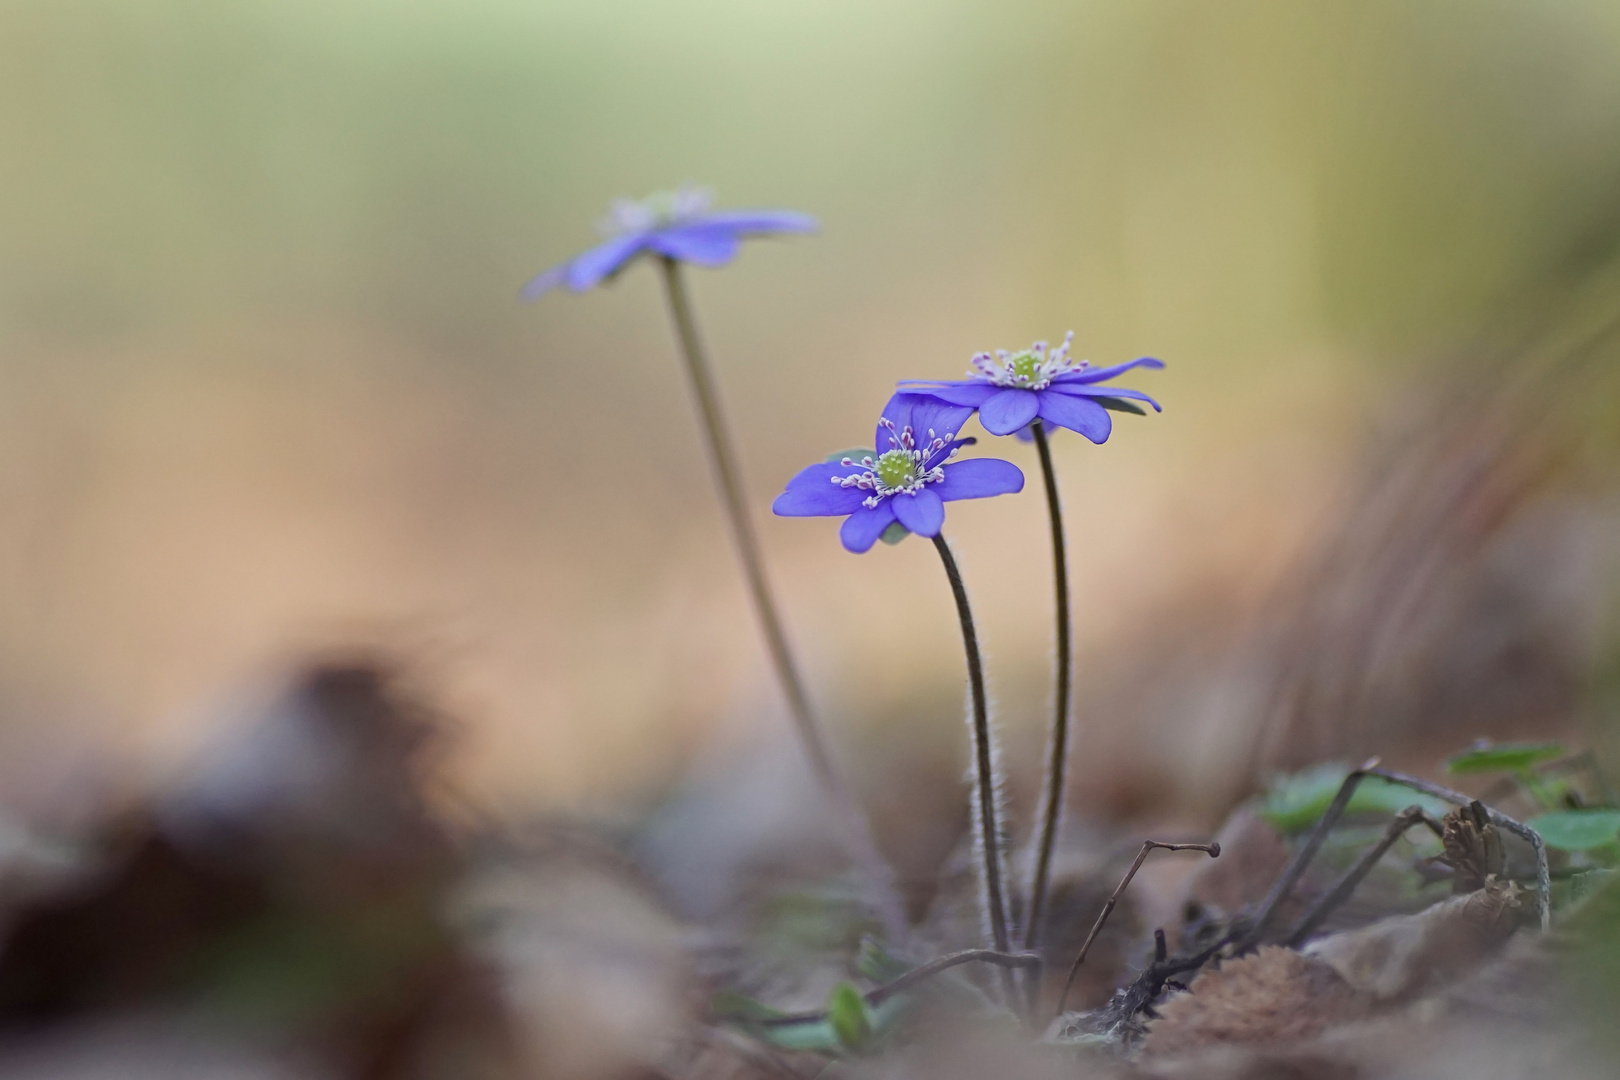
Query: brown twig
point(1302, 858)
point(1330, 817)
point(1328, 902)
point(1161, 973)
point(1213, 850)
point(1501, 821)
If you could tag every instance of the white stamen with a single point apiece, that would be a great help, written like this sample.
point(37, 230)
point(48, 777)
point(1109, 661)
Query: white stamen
point(903, 446)
point(1040, 366)
point(658, 210)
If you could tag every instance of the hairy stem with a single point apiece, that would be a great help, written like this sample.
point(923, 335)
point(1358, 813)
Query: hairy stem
point(852, 822)
point(1057, 750)
point(989, 838)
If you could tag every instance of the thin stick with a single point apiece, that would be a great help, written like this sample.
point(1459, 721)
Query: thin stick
point(917, 975)
point(857, 831)
point(983, 757)
point(1213, 850)
point(1302, 858)
point(1501, 821)
point(1335, 811)
point(1057, 750)
point(1329, 902)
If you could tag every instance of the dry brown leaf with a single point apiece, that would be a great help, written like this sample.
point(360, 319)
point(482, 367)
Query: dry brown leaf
point(1276, 996)
point(1256, 1063)
point(1404, 956)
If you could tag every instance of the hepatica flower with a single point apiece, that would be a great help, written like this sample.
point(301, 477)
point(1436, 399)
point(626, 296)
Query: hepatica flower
point(906, 481)
point(1011, 389)
point(674, 224)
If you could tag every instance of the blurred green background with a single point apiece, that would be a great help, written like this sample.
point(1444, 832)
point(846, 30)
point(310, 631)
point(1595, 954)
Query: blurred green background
point(265, 384)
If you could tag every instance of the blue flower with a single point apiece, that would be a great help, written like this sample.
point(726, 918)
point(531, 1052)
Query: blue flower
point(676, 224)
point(1010, 390)
point(906, 485)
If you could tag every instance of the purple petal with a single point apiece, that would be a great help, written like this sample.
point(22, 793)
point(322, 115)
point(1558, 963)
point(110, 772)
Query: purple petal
point(923, 414)
point(1084, 390)
point(1077, 414)
point(544, 283)
point(603, 261)
point(1091, 375)
point(898, 413)
point(586, 270)
point(813, 494)
point(1008, 411)
point(943, 418)
point(943, 453)
point(923, 512)
point(979, 478)
point(967, 392)
point(703, 244)
point(1024, 434)
point(862, 528)
point(751, 222)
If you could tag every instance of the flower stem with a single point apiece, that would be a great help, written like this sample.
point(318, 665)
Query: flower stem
point(989, 838)
point(1057, 750)
point(852, 822)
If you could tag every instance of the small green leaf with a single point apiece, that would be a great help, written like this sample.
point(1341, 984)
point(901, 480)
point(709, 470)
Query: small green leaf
point(1295, 802)
point(854, 453)
point(813, 1035)
point(895, 533)
point(1590, 883)
point(877, 963)
point(1504, 757)
point(847, 1012)
point(819, 1035)
point(1577, 830)
point(1120, 405)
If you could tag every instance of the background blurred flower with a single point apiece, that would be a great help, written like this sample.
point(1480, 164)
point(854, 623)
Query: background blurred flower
point(676, 224)
point(908, 484)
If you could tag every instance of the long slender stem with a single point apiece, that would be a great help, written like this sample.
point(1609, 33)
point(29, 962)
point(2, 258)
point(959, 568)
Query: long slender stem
point(983, 758)
point(857, 831)
point(1057, 750)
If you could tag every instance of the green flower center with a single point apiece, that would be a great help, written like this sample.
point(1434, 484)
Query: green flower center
point(658, 210)
point(904, 469)
point(1025, 365)
point(895, 468)
point(1033, 368)
point(660, 206)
